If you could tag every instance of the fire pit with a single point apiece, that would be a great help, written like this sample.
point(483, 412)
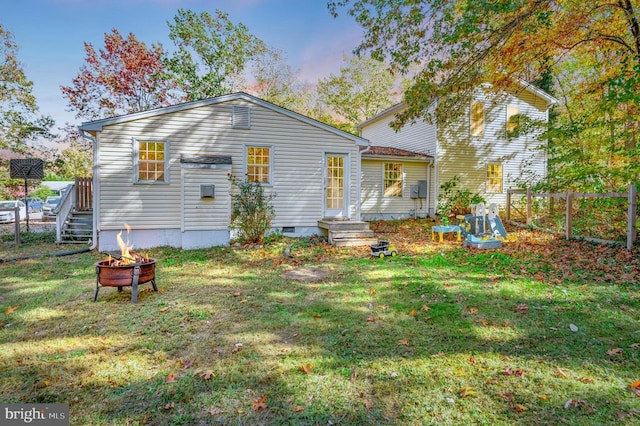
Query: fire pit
point(130, 269)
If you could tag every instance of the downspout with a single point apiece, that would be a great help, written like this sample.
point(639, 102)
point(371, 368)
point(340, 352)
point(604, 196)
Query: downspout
point(429, 173)
point(94, 202)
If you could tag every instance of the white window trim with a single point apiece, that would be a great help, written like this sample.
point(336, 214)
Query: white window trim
point(246, 160)
point(471, 120)
point(486, 178)
point(506, 121)
point(136, 144)
point(403, 177)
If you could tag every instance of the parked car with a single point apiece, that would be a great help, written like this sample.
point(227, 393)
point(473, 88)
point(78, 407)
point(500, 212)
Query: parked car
point(49, 205)
point(34, 204)
point(9, 216)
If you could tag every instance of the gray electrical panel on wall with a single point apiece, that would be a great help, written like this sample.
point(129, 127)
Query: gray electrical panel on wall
point(419, 190)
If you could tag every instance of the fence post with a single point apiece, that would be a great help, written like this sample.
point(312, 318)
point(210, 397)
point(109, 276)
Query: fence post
point(16, 217)
point(631, 219)
point(508, 213)
point(568, 225)
point(529, 215)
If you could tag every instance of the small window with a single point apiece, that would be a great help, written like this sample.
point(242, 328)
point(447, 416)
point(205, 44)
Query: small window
point(513, 121)
point(477, 119)
point(494, 178)
point(151, 161)
point(393, 179)
point(259, 164)
point(241, 117)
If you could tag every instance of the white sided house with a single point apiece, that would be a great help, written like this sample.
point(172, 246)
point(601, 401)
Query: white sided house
point(402, 171)
point(164, 172)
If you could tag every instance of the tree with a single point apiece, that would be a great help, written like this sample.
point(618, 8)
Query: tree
point(19, 123)
point(123, 78)
point(592, 48)
point(75, 159)
point(362, 90)
point(212, 53)
point(275, 81)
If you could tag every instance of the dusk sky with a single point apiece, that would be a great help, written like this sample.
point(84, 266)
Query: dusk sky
point(50, 35)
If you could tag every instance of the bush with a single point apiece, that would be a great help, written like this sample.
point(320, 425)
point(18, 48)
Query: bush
point(251, 210)
point(452, 201)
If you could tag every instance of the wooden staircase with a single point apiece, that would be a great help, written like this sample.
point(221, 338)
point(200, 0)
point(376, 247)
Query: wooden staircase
point(78, 228)
point(347, 233)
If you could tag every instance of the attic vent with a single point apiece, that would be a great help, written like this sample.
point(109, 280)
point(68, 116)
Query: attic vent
point(241, 117)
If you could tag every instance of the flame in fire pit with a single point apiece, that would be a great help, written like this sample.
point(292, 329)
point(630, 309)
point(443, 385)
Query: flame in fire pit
point(127, 255)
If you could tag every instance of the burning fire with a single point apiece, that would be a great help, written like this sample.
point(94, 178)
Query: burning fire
point(127, 255)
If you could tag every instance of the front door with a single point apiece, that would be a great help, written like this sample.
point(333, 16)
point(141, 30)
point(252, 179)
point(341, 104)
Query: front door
point(336, 182)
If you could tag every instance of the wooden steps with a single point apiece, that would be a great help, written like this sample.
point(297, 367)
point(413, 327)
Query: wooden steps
point(78, 228)
point(347, 233)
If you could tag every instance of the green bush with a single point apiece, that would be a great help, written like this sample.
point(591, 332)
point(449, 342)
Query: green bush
point(453, 201)
point(251, 210)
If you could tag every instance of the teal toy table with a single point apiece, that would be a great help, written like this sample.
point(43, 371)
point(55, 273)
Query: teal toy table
point(442, 229)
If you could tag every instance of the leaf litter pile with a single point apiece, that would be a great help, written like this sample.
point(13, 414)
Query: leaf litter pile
point(541, 331)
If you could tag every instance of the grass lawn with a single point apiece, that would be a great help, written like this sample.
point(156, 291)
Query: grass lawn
point(542, 331)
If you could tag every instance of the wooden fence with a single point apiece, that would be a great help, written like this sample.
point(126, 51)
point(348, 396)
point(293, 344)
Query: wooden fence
point(84, 193)
point(569, 198)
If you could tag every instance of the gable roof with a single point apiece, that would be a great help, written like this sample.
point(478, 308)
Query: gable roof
point(550, 100)
point(385, 152)
point(98, 125)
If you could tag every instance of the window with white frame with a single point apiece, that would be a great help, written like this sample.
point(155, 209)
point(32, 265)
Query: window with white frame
point(477, 119)
point(513, 121)
point(494, 178)
point(151, 161)
point(393, 179)
point(258, 164)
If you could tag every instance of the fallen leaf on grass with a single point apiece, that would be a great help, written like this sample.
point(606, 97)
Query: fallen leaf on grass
point(371, 318)
point(306, 369)
point(259, 404)
point(635, 345)
point(425, 308)
point(635, 387)
point(510, 372)
point(543, 397)
point(368, 404)
point(171, 378)
point(522, 307)
point(372, 291)
point(615, 352)
point(467, 391)
point(472, 310)
point(561, 373)
point(574, 403)
point(164, 309)
point(237, 294)
point(586, 380)
point(403, 342)
point(47, 382)
point(412, 313)
point(188, 364)
point(472, 360)
point(10, 309)
point(237, 348)
point(169, 406)
point(519, 408)
point(298, 408)
point(383, 307)
point(207, 374)
point(507, 396)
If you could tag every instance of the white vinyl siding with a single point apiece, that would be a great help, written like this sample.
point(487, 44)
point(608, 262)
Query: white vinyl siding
point(206, 214)
point(372, 188)
point(297, 176)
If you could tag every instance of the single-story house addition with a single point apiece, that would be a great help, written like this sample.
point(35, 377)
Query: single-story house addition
point(403, 170)
point(164, 172)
